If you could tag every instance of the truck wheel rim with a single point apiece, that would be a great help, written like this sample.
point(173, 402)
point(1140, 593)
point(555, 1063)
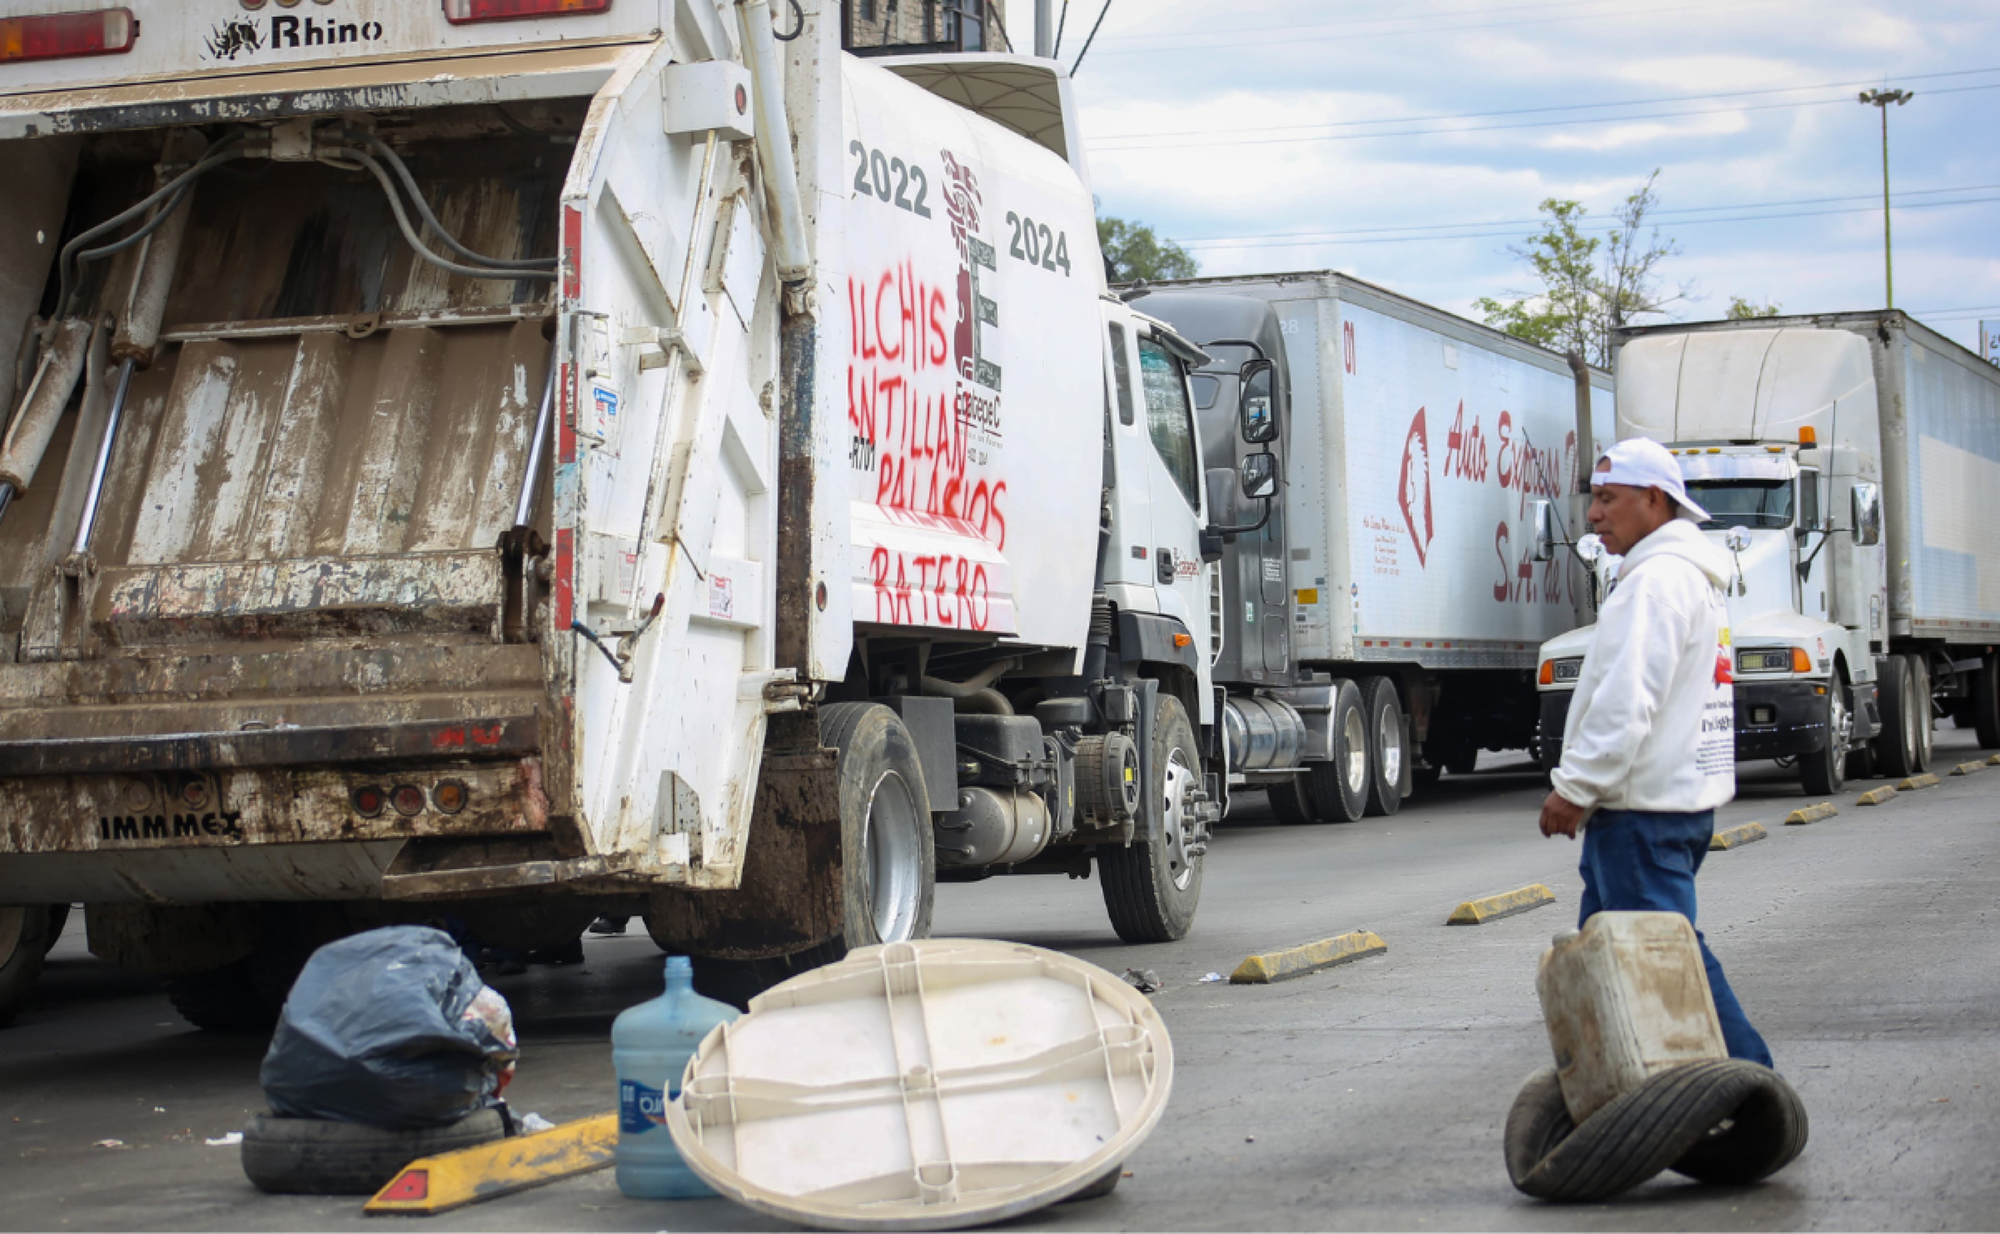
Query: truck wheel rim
point(1177, 821)
point(889, 838)
point(1356, 754)
point(1391, 740)
point(1840, 723)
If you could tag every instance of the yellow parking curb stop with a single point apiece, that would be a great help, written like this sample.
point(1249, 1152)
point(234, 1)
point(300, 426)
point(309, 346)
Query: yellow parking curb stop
point(1926, 780)
point(449, 1180)
point(1876, 796)
point(1492, 908)
point(1966, 769)
point(1737, 837)
point(1811, 814)
point(1307, 958)
point(1993, 760)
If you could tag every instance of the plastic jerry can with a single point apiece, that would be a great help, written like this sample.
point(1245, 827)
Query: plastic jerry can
point(650, 1047)
point(1625, 997)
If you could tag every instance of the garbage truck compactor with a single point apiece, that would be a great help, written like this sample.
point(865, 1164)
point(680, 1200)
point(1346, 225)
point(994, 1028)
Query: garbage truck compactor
point(495, 463)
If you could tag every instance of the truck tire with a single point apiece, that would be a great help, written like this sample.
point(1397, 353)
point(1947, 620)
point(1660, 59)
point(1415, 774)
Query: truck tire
point(888, 855)
point(1151, 887)
point(1822, 772)
point(318, 1156)
point(1340, 788)
point(1986, 702)
point(1387, 754)
point(1921, 708)
point(1896, 744)
point(223, 1000)
point(1293, 801)
point(24, 941)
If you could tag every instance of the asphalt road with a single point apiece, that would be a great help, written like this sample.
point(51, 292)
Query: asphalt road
point(1369, 1097)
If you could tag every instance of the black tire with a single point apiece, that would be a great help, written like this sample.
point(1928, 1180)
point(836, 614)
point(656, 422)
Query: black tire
point(736, 982)
point(1341, 787)
point(1292, 801)
point(58, 918)
point(1822, 772)
point(888, 854)
point(1651, 1128)
point(317, 1156)
point(1986, 702)
point(1465, 762)
point(1920, 691)
point(21, 966)
point(1861, 763)
point(1426, 776)
point(1764, 1134)
point(1152, 887)
point(1895, 746)
point(1388, 754)
point(223, 1000)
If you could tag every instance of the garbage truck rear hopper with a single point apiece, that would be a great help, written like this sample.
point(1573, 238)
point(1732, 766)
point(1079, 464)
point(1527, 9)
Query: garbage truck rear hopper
point(498, 471)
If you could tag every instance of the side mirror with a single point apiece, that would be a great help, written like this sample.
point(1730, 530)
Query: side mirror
point(1545, 531)
point(1590, 547)
point(1257, 413)
point(1258, 474)
point(1867, 502)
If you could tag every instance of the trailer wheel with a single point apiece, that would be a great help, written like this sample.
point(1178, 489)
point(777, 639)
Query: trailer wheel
point(1341, 787)
point(223, 1000)
point(25, 938)
point(1151, 887)
point(1292, 801)
point(1386, 752)
point(1986, 702)
point(1822, 772)
point(888, 856)
point(1896, 745)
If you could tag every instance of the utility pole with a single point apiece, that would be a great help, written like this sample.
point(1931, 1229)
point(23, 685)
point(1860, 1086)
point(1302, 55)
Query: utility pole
point(1881, 100)
point(1045, 28)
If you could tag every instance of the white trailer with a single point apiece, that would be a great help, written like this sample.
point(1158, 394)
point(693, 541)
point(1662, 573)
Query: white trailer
point(1808, 438)
point(512, 459)
point(1415, 445)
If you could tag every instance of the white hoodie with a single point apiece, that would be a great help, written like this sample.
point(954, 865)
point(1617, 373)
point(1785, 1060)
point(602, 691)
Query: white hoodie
point(1652, 723)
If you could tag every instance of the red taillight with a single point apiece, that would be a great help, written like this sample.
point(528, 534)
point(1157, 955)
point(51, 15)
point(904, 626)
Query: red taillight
point(369, 800)
point(458, 12)
point(408, 800)
point(59, 35)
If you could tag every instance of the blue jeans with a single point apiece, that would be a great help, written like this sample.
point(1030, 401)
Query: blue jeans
point(1645, 861)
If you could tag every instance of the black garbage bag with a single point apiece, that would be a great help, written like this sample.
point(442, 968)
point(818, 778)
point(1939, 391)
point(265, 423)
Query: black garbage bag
point(391, 1028)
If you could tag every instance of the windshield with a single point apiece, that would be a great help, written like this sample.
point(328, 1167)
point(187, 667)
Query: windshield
point(1744, 503)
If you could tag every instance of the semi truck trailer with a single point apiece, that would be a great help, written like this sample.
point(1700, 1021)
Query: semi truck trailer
point(1381, 627)
point(497, 463)
point(1849, 463)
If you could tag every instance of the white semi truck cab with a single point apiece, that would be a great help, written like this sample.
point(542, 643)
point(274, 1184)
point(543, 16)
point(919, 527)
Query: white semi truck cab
point(501, 462)
point(1808, 441)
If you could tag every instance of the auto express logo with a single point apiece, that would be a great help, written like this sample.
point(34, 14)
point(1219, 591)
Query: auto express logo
point(250, 37)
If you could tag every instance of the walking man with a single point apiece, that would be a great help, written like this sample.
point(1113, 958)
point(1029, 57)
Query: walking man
point(1650, 745)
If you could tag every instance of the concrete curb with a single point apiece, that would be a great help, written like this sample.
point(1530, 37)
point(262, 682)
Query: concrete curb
point(1737, 837)
point(1876, 796)
point(1307, 958)
point(1811, 814)
point(1926, 780)
point(1506, 904)
point(450, 1180)
point(1966, 769)
point(1993, 760)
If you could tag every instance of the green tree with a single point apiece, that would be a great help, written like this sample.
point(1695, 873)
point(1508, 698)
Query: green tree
point(1742, 310)
point(1132, 251)
point(1591, 285)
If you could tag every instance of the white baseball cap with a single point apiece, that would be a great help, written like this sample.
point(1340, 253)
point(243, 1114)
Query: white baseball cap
point(1641, 462)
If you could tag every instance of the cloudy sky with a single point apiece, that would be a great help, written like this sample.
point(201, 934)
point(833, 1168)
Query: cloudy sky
point(1409, 144)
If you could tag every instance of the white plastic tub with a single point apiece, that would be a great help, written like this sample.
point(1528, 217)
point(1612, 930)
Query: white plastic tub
point(1625, 998)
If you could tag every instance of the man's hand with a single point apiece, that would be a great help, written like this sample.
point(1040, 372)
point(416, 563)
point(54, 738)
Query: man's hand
point(1560, 815)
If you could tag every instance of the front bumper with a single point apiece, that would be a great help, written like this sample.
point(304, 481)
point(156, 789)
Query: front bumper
point(1774, 719)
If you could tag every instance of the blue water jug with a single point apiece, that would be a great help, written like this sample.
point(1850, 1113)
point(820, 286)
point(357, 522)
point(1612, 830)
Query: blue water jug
point(650, 1047)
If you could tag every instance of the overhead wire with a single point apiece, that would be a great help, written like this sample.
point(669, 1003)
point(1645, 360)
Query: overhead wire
point(1092, 39)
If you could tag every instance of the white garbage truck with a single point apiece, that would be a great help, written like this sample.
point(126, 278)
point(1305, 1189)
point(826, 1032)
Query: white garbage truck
point(1408, 608)
point(500, 461)
point(1850, 463)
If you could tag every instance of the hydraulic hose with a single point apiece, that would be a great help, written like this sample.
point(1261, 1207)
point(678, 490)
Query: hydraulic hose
point(73, 253)
point(368, 162)
point(402, 170)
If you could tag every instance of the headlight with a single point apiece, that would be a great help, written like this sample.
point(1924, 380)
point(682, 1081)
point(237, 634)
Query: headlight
point(1764, 660)
point(1554, 671)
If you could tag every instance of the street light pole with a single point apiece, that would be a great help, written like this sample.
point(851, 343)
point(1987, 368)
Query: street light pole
point(1881, 100)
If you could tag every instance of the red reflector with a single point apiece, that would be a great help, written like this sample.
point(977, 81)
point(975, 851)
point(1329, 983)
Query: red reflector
point(368, 801)
point(459, 11)
point(59, 35)
point(409, 1185)
point(408, 799)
